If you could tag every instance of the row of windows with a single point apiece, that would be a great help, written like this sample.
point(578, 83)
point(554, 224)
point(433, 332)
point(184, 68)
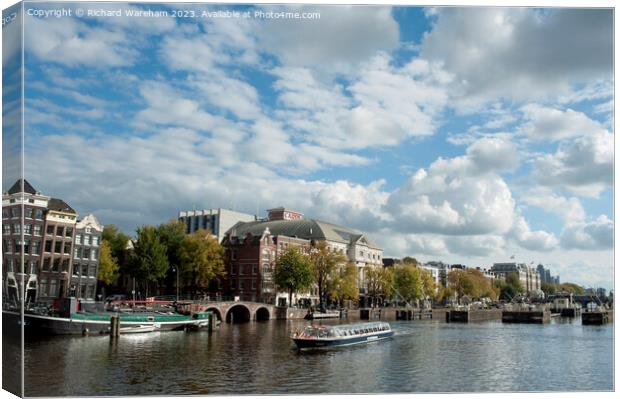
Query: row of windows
point(58, 247)
point(84, 253)
point(31, 266)
point(57, 265)
point(243, 284)
point(84, 270)
point(14, 212)
point(368, 255)
point(51, 289)
point(88, 239)
point(244, 269)
point(29, 247)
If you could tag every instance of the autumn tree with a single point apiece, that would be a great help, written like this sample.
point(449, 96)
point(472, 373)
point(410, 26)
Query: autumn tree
point(325, 262)
point(572, 288)
point(378, 282)
point(171, 234)
point(148, 261)
point(408, 283)
point(108, 264)
point(293, 272)
point(201, 258)
point(118, 244)
point(344, 284)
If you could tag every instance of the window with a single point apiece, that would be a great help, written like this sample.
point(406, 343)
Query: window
point(8, 246)
point(33, 267)
point(86, 240)
point(65, 265)
point(56, 265)
point(92, 271)
point(67, 248)
point(46, 264)
point(48, 246)
point(241, 267)
point(36, 247)
point(93, 254)
point(234, 254)
point(29, 213)
point(59, 230)
point(255, 269)
point(76, 269)
point(53, 288)
point(69, 232)
point(15, 212)
point(78, 239)
point(5, 213)
point(9, 265)
point(253, 284)
point(50, 229)
point(6, 229)
point(57, 248)
point(87, 230)
point(43, 287)
point(38, 214)
point(86, 253)
point(95, 241)
point(26, 246)
point(27, 229)
point(233, 270)
point(37, 230)
point(84, 270)
point(17, 229)
point(18, 246)
point(266, 268)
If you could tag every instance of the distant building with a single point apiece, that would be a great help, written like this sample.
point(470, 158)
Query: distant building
point(86, 257)
point(528, 276)
point(253, 247)
point(217, 221)
point(48, 239)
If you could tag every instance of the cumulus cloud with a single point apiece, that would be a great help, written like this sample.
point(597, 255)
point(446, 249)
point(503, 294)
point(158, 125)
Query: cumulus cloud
point(597, 234)
point(520, 53)
point(569, 209)
point(583, 166)
point(544, 123)
point(533, 240)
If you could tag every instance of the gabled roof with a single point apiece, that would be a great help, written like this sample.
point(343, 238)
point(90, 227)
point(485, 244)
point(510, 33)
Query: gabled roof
point(56, 204)
point(308, 229)
point(17, 187)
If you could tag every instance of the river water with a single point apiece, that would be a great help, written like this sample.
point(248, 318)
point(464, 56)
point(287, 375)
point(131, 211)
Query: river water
point(259, 358)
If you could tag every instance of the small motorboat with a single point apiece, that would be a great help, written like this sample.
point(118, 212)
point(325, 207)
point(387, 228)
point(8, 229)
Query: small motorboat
point(313, 337)
point(141, 328)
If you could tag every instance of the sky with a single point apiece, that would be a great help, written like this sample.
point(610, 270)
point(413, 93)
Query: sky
point(466, 135)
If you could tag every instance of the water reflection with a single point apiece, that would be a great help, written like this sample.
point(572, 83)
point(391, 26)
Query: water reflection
point(259, 358)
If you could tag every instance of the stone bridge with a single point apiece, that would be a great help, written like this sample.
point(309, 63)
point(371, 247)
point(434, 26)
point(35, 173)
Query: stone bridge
point(241, 311)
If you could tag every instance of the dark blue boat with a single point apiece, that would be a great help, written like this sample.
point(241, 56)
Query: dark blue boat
point(314, 337)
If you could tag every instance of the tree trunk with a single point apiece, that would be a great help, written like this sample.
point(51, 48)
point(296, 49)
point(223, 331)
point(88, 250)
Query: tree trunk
point(290, 298)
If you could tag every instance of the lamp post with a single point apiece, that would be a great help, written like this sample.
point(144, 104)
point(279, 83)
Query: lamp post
point(176, 269)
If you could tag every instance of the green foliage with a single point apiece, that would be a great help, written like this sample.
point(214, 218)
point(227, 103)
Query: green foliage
point(408, 283)
point(512, 287)
point(473, 283)
point(148, 261)
point(171, 234)
point(118, 244)
point(571, 287)
point(325, 263)
point(293, 271)
point(548, 288)
point(409, 260)
point(378, 282)
point(108, 265)
point(343, 285)
point(201, 258)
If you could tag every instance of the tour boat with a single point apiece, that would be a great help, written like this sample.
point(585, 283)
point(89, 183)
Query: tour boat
point(341, 335)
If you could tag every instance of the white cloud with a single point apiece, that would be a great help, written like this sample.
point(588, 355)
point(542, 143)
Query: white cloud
point(544, 123)
point(569, 209)
point(583, 166)
point(520, 53)
point(533, 240)
point(597, 234)
point(343, 37)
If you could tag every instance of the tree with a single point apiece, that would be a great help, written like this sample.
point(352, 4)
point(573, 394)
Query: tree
point(572, 288)
point(473, 283)
point(408, 283)
point(108, 264)
point(344, 284)
point(378, 282)
point(409, 260)
point(148, 262)
point(293, 272)
point(429, 287)
point(325, 262)
point(201, 258)
point(548, 288)
point(512, 287)
point(171, 234)
point(118, 245)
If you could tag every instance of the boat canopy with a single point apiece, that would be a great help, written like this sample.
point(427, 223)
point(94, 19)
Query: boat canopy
point(343, 330)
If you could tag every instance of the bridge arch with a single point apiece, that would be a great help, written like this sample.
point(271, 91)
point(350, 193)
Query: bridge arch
point(216, 312)
point(238, 314)
point(262, 314)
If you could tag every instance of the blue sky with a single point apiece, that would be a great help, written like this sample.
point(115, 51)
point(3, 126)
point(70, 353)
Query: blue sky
point(466, 135)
